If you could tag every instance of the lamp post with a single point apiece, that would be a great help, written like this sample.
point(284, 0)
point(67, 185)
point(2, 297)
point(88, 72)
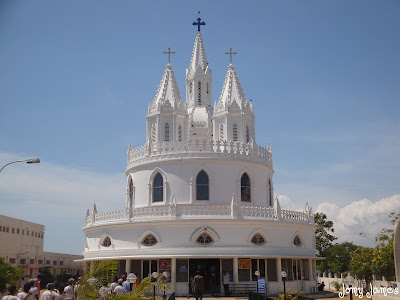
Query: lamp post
point(154, 276)
point(284, 274)
point(349, 280)
point(165, 274)
point(131, 279)
point(28, 161)
point(257, 273)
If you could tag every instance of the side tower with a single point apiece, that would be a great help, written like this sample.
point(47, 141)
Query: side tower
point(234, 114)
point(198, 92)
point(167, 115)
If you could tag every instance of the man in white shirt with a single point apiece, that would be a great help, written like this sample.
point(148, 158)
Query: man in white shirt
point(25, 295)
point(225, 281)
point(12, 290)
point(119, 289)
point(50, 294)
point(69, 289)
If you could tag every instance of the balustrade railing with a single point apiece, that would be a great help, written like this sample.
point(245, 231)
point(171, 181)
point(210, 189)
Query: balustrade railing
point(193, 211)
point(223, 149)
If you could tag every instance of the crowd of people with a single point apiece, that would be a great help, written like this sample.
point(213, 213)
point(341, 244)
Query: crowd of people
point(30, 291)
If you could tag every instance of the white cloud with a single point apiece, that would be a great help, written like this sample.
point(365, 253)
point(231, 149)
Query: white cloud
point(360, 216)
point(57, 197)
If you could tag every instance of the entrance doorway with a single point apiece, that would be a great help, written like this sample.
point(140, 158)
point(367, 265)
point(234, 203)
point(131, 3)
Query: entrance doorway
point(210, 270)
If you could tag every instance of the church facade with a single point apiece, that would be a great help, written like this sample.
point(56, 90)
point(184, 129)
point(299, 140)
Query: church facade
point(199, 195)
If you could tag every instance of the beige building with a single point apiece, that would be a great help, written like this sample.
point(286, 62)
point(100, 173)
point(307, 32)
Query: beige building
point(21, 244)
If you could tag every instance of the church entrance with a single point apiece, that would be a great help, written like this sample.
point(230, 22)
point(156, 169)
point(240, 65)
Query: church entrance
point(210, 270)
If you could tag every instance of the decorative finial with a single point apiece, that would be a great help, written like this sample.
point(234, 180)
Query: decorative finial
point(198, 23)
point(230, 54)
point(169, 54)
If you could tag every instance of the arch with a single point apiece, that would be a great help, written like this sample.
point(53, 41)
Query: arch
point(151, 185)
point(247, 134)
point(245, 188)
point(166, 136)
point(297, 240)
point(199, 92)
point(180, 133)
point(235, 132)
point(221, 131)
point(204, 236)
point(151, 236)
point(105, 241)
point(193, 185)
point(258, 238)
point(202, 186)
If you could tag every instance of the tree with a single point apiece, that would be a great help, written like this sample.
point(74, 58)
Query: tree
point(337, 257)
point(360, 264)
point(323, 236)
point(8, 275)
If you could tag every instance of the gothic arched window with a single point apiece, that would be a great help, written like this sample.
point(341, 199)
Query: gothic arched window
point(235, 132)
point(153, 133)
point(199, 92)
point(245, 188)
point(202, 186)
point(106, 242)
point(166, 132)
point(297, 241)
point(247, 134)
point(258, 239)
point(149, 240)
point(221, 131)
point(158, 188)
point(131, 191)
point(180, 133)
point(204, 239)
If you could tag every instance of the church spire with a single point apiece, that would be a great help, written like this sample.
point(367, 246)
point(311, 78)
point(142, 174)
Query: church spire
point(198, 56)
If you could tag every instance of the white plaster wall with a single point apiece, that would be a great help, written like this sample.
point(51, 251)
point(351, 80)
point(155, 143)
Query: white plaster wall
point(224, 177)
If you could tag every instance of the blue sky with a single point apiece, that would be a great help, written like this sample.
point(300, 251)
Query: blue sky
point(76, 78)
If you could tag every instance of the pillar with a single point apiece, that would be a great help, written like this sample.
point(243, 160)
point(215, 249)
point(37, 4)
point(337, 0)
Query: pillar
point(310, 269)
point(173, 275)
point(128, 266)
point(235, 269)
point(279, 269)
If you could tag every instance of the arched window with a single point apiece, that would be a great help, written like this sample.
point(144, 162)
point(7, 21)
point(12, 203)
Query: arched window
point(235, 133)
point(297, 241)
point(221, 132)
point(202, 186)
point(270, 191)
point(106, 242)
point(258, 239)
point(153, 133)
point(247, 134)
point(158, 188)
point(180, 133)
point(199, 92)
point(245, 188)
point(149, 240)
point(131, 191)
point(204, 239)
point(166, 132)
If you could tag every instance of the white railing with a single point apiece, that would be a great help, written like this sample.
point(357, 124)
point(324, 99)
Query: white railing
point(151, 152)
point(198, 211)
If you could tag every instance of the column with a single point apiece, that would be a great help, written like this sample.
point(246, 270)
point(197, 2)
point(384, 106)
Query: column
point(128, 266)
point(279, 269)
point(235, 269)
point(173, 275)
point(310, 269)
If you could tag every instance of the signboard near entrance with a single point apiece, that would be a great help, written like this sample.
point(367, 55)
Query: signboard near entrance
point(261, 285)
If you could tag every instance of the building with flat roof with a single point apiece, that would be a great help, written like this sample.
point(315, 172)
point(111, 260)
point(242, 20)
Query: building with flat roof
point(21, 244)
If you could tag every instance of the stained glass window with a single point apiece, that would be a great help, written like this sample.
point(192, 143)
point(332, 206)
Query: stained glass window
point(158, 188)
point(202, 186)
point(245, 188)
point(149, 240)
point(258, 239)
point(297, 241)
point(204, 239)
point(131, 192)
point(106, 242)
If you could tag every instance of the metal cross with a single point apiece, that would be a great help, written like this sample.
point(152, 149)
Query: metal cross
point(230, 53)
point(169, 54)
point(198, 23)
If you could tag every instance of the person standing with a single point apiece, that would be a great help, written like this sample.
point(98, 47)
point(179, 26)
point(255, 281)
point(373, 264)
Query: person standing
point(25, 295)
point(198, 286)
point(114, 284)
point(126, 284)
point(225, 281)
point(69, 289)
point(119, 289)
point(12, 290)
point(50, 294)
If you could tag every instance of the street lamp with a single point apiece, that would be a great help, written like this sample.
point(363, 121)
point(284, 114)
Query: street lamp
point(349, 280)
point(257, 273)
point(154, 276)
point(131, 279)
point(284, 274)
point(165, 274)
point(28, 161)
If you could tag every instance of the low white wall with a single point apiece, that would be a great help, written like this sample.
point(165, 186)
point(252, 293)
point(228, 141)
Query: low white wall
point(328, 281)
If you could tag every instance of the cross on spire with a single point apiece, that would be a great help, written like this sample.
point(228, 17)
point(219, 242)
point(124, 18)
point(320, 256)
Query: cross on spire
point(198, 22)
point(230, 53)
point(169, 54)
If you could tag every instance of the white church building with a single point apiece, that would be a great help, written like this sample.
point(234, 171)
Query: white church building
point(199, 195)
